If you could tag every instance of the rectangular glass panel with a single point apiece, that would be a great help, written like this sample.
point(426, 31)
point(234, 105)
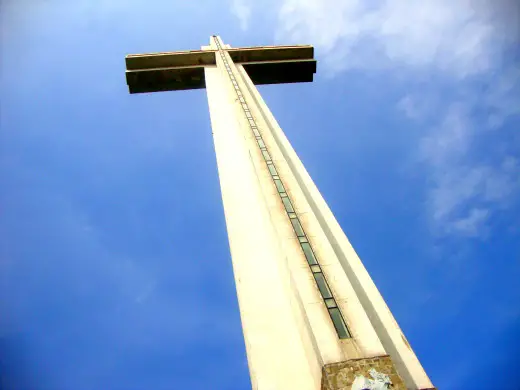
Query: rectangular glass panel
point(255, 131)
point(261, 144)
point(287, 204)
point(339, 324)
point(322, 285)
point(330, 303)
point(309, 254)
point(297, 227)
point(303, 239)
point(279, 185)
point(315, 268)
point(292, 215)
point(266, 155)
point(272, 169)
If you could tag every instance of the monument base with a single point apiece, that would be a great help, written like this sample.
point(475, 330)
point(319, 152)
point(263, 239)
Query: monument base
point(340, 376)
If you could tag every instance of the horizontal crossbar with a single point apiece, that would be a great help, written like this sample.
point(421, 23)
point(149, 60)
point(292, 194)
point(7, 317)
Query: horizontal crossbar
point(185, 70)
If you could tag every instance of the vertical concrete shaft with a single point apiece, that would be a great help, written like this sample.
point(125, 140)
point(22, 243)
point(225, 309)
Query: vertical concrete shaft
point(289, 335)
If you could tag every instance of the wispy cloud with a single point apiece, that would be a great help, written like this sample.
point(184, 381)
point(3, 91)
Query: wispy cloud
point(242, 10)
point(459, 37)
point(469, 181)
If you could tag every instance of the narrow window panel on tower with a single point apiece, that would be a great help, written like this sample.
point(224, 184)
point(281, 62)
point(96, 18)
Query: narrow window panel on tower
point(322, 285)
point(339, 324)
point(330, 302)
point(303, 239)
point(287, 204)
point(272, 169)
point(279, 185)
point(261, 142)
point(297, 227)
point(266, 155)
point(315, 268)
point(292, 215)
point(309, 254)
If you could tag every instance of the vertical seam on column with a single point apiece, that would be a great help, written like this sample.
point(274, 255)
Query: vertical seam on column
point(319, 278)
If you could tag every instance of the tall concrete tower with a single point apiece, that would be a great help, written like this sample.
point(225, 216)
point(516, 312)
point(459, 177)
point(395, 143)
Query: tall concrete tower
point(311, 315)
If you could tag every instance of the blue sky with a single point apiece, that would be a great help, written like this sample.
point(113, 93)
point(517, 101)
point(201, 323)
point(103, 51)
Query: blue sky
point(114, 265)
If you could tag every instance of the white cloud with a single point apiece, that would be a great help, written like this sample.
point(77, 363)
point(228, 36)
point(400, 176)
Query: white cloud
point(413, 108)
point(450, 138)
point(242, 10)
point(460, 37)
point(462, 198)
point(472, 224)
point(463, 178)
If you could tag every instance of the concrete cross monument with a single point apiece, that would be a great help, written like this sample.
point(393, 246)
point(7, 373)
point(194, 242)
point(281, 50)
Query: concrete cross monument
point(311, 315)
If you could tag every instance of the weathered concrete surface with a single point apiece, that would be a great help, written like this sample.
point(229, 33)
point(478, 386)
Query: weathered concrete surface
point(340, 376)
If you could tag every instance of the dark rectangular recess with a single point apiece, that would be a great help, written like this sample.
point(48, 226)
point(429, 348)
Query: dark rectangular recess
point(173, 79)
